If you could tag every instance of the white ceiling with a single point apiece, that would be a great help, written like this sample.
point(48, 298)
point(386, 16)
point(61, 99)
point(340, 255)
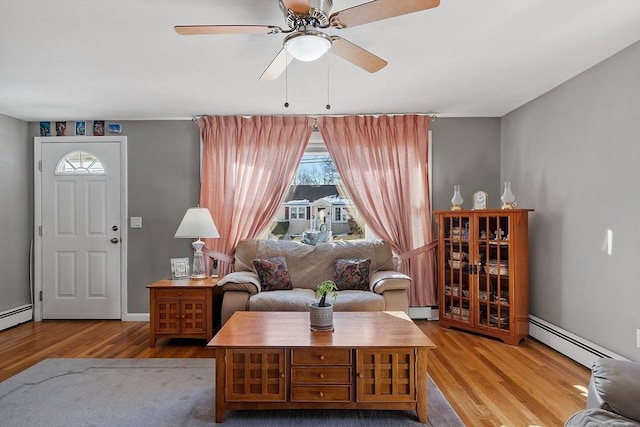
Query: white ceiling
point(119, 60)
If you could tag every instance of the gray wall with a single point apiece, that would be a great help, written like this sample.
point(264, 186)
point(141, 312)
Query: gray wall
point(163, 182)
point(574, 155)
point(16, 211)
point(466, 152)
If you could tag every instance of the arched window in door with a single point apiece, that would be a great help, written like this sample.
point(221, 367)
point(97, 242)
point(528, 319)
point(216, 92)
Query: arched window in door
point(79, 163)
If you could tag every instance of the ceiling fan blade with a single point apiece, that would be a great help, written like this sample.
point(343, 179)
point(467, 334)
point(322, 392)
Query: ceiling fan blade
point(190, 30)
point(377, 10)
point(357, 55)
point(277, 66)
point(298, 6)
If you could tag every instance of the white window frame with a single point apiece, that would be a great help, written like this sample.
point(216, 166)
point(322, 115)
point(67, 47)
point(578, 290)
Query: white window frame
point(79, 162)
point(339, 214)
point(298, 209)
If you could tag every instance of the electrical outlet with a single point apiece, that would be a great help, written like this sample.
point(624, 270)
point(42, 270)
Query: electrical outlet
point(136, 222)
point(638, 337)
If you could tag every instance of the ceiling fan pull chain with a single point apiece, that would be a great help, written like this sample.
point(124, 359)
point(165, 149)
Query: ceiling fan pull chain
point(328, 106)
point(286, 82)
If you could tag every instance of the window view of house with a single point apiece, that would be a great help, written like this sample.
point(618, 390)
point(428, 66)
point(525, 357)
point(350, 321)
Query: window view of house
point(314, 210)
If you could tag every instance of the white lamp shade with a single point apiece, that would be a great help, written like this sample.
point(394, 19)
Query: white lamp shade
point(197, 222)
point(308, 45)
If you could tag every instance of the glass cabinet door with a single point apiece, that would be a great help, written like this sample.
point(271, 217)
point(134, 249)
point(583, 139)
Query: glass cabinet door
point(455, 270)
point(493, 290)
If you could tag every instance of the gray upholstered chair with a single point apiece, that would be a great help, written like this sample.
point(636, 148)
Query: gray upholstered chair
point(614, 396)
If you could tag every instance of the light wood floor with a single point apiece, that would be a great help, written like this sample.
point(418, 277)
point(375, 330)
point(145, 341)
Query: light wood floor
point(488, 383)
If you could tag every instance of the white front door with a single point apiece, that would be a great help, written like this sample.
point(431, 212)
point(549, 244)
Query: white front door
point(81, 231)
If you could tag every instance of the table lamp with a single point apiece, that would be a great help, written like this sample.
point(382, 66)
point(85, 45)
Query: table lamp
point(197, 223)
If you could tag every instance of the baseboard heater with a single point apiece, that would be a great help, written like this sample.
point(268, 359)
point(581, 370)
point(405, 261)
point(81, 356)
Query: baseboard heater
point(428, 313)
point(577, 348)
point(15, 316)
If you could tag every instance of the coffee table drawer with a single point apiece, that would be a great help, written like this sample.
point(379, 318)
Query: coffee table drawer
point(321, 393)
point(320, 374)
point(321, 356)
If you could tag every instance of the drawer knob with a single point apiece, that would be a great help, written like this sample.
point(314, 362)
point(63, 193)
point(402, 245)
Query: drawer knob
point(321, 357)
point(321, 394)
point(359, 375)
point(321, 376)
point(281, 374)
point(179, 294)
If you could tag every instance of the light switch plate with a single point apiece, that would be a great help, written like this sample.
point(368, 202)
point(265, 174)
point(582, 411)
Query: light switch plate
point(136, 222)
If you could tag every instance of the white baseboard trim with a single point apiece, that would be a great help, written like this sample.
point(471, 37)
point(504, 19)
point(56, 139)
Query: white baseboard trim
point(577, 348)
point(429, 313)
point(136, 317)
point(15, 316)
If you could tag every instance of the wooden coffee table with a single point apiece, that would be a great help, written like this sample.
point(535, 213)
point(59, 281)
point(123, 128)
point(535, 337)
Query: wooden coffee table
point(272, 360)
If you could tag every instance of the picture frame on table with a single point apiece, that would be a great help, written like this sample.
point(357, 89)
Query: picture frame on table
point(179, 268)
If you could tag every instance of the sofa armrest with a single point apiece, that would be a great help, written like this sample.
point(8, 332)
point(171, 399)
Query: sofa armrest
point(615, 386)
point(386, 280)
point(247, 281)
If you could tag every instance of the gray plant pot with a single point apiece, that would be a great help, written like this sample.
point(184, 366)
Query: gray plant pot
point(321, 318)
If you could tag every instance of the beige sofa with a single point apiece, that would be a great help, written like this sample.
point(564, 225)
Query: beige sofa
point(308, 266)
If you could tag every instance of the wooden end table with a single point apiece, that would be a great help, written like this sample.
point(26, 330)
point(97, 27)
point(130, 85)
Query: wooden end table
point(272, 360)
point(182, 308)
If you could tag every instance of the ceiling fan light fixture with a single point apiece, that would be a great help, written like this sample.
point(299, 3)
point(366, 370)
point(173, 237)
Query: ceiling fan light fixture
point(307, 45)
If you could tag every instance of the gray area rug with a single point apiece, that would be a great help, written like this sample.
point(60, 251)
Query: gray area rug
point(163, 392)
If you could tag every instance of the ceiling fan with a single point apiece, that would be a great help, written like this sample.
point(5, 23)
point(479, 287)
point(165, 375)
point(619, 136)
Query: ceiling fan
point(305, 41)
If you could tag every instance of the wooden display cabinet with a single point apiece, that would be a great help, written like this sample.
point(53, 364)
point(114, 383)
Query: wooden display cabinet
point(483, 272)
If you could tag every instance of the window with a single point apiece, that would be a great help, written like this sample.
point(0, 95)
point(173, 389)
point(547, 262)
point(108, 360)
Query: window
point(314, 202)
point(79, 163)
point(297, 212)
point(317, 183)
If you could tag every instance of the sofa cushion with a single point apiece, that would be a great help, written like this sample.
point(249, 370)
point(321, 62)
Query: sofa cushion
point(299, 299)
point(273, 273)
point(293, 300)
point(352, 274)
point(358, 301)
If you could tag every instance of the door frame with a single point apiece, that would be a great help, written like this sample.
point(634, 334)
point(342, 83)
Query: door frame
point(37, 215)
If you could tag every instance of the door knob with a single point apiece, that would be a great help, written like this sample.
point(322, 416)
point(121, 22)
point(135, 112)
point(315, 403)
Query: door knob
point(114, 240)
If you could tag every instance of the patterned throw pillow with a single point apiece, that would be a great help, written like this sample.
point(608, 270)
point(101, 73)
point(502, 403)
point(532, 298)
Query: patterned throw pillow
point(273, 273)
point(352, 274)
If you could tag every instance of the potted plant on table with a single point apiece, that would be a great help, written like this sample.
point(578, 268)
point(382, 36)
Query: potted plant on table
point(321, 312)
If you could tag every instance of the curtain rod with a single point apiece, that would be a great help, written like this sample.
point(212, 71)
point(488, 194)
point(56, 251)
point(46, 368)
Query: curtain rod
point(314, 116)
